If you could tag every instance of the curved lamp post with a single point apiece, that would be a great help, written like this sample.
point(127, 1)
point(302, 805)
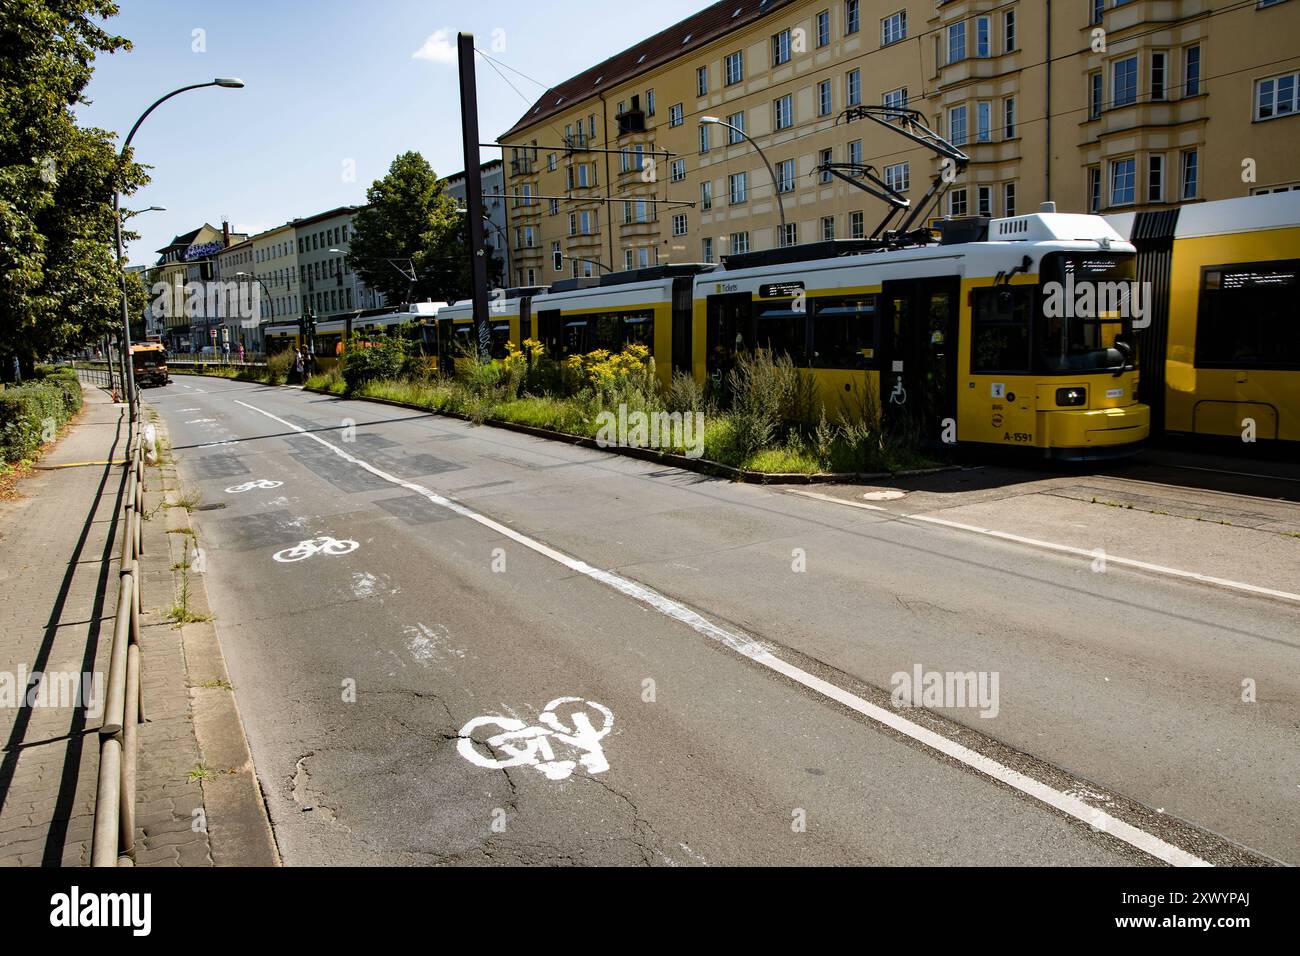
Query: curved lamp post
point(128, 373)
point(776, 186)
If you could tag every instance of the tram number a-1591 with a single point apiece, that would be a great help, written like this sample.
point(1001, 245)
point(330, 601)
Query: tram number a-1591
point(1018, 437)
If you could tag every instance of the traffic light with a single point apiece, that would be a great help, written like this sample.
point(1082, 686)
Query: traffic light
point(559, 260)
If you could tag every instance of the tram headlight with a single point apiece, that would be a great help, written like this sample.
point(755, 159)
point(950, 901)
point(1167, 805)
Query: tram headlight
point(1074, 395)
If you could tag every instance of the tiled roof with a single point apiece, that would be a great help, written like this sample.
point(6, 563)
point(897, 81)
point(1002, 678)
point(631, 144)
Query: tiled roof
point(681, 38)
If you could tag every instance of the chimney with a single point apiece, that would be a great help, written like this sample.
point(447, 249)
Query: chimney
point(225, 233)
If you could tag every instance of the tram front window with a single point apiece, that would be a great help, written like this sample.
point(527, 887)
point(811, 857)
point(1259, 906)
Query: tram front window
point(1087, 304)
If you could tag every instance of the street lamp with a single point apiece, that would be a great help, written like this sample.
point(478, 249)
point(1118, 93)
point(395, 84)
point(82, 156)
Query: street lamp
point(776, 186)
point(128, 374)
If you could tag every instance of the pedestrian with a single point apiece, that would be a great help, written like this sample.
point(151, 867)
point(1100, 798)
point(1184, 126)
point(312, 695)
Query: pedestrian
point(18, 371)
point(241, 353)
point(298, 365)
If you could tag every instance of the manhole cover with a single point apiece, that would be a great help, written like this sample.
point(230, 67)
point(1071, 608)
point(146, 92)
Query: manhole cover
point(888, 494)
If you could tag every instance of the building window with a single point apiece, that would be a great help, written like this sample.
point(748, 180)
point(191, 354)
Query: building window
point(785, 176)
point(1156, 178)
point(1124, 79)
point(706, 248)
point(1098, 10)
point(706, 194)
point(957, 41)
point(781, 48)
point(957, 204)
point(828, 228)
point(898, 177)
point(738, 188)
point(895, 99)
point(788, 235)
point(677, 170)
point(893, 28)
point(1094, 96)
point(857, 225)
point(825, 103)
point(736, 120)
point(1009, 118)
point(1009, 31)
point(1192, 71)
point(1159, 66)
point(985, 195)
point(1122, 186)
point(735, 67)
point(957, 125)
point(1094, 189)
point(1189, 174)
point(704, 138)
point(649, 102)
point(823, 28)
point(853, 87)
point(676, 116)
point(555, 206)
point(739, 242)
point(983, 37)
point(983, 122)
point(852, 17)
point(1276, 96)
point(855, 152)
point(679, 224)
point(783, 112)
point(702, 81)
point(826, 158)
point(1009, 199)
point(628, 261)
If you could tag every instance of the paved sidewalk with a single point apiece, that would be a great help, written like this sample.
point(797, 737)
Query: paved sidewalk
point(59, 569)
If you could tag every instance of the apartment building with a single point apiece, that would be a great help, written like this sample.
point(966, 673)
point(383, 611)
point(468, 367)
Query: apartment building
point(495, 224)
point(189, 258)
point(1096, 104)
point(327, 286)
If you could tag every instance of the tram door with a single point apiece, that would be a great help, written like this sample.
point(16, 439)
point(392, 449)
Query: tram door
point(918, 367)
point(729, 330)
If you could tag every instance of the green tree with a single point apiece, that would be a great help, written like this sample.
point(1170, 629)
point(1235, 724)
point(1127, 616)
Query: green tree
point(60, 281)
point(409, 220)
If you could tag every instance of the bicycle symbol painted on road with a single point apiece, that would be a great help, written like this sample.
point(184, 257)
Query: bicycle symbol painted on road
point(534, 746)
point(250, 485)
point(322, 545)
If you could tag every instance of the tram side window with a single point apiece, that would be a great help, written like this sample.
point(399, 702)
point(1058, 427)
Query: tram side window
point(1000, 329)
point(782, 330)
point(614, 331)
point(844, 332)
point(1250, 316)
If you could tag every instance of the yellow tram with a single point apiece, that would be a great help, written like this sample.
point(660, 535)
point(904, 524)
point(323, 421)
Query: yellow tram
point(1221, 355)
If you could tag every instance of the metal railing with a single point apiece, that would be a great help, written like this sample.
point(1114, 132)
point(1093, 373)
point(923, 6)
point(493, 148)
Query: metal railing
point(216, 358)
point(114, 836)
point(104, 374)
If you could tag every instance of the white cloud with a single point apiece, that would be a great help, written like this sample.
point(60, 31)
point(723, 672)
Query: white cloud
point(440, 47)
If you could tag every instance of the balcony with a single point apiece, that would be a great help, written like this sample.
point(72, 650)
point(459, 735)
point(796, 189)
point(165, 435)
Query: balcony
point(523, 167)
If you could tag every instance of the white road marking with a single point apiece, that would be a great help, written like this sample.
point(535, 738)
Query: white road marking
point(1065, 549)
point(200, 421)
point(267, 483)
point(533, 747)
point(313, 546)
point(748, 647)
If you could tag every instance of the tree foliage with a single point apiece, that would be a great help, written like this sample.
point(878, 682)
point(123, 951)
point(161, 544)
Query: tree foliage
point(60, 281)
point(410, 216)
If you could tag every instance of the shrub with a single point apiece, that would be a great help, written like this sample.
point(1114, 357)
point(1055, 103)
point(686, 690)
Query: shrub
point(30, 414)
point(376, 360)
point(686, 395)
point(278, 367)
point(760, 394)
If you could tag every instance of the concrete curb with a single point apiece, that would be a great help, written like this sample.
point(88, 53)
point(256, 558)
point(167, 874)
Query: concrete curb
point(239, 829)
point(701, 465)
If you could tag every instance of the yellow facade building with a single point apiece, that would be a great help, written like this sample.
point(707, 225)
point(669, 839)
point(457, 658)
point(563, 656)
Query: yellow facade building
point(1102, 105)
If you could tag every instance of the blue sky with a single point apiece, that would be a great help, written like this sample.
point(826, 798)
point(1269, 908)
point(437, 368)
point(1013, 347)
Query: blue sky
point(328, 81)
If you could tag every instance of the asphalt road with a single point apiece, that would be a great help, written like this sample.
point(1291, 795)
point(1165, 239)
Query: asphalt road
point(743, 643)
